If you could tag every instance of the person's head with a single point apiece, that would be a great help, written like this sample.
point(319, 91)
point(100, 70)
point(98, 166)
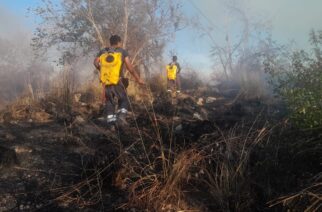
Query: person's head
point(116, 41)
point(174, 58)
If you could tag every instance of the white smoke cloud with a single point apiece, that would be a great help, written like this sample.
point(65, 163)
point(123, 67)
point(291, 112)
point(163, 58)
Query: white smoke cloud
point(12, 26)
point(290, 19)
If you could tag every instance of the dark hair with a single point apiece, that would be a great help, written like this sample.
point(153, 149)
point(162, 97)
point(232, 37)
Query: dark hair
point(174, 58)
point(115, 39)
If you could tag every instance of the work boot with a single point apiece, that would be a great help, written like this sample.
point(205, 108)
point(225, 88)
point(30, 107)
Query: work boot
point(111, 119)
point(121, 118)
point(111, 126)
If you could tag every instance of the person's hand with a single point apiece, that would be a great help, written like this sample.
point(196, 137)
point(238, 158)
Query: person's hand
point(96, 71)
point(141, 82)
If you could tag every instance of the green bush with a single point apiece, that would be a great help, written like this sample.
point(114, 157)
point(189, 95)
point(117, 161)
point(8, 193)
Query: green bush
point(301, 85)
point(305, 104)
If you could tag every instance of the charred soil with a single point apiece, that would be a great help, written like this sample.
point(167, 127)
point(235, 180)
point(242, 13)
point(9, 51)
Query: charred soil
point(198, 152)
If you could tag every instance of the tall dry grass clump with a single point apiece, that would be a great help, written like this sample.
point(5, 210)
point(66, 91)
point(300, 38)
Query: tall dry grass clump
point(62, 87)
point(163, 191)
point(227, 166)
point(211, 174)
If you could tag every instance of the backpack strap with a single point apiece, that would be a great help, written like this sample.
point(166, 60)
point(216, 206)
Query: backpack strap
point(111, 50)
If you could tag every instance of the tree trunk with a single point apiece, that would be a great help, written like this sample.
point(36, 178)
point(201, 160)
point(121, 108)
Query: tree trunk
point(31, 91)
point(91, 19)
point(125, 22)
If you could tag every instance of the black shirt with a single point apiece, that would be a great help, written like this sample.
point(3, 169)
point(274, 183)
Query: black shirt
point(107, 49)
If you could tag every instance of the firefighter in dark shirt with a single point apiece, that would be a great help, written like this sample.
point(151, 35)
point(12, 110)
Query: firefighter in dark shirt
point(110, 62)
point(173, 71)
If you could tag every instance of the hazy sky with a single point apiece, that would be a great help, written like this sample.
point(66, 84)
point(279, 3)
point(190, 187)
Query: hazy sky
point(290, 20)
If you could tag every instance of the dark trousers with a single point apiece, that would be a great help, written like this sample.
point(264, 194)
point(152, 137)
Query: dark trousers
point(116, 95)
point(174, 85)
point(171, 85)
point(178, 82)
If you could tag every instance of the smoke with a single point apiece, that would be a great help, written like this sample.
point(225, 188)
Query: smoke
point(20, 71)
point(13, 27)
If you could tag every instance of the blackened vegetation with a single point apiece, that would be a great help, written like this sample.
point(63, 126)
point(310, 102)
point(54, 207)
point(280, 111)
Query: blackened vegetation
point(7, 157)
point(206, 152)
point(57, 166)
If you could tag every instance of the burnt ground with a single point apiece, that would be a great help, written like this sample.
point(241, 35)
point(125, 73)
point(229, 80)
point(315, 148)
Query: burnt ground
point(48, 165)
point(48, 162)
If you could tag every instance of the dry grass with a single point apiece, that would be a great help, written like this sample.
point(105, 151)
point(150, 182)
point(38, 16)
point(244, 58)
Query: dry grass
point(227, 168)
point(160, 191)
point(159, 177)
point(308, 200)
point(216, 166)
point(212, 174)
point(25, 109)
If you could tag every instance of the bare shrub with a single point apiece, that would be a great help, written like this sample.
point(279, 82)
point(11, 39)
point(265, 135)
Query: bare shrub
point(157, 83)
point(191, 80)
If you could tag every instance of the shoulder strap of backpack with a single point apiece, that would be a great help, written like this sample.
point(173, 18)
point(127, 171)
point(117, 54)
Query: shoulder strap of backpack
point(111, 50)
